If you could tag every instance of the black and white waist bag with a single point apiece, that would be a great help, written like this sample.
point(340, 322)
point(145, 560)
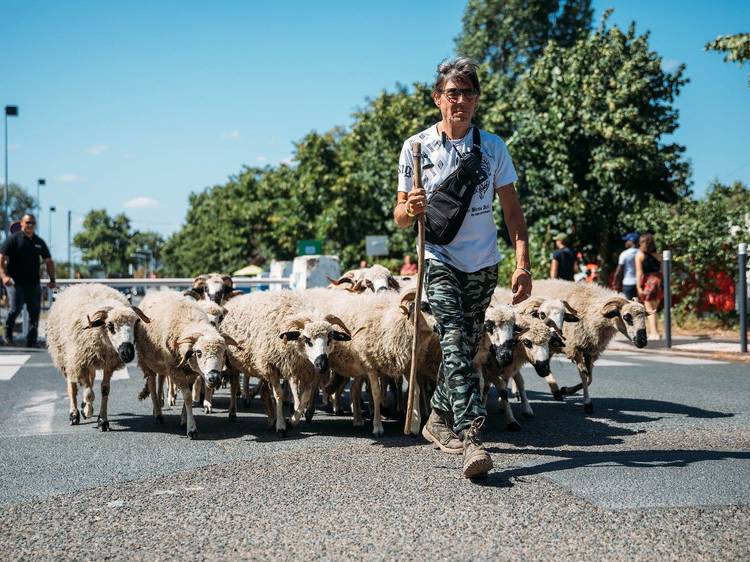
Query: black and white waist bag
point(448, 203)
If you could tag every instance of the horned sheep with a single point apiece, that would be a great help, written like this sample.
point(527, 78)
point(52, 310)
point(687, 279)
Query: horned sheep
point(91, 327)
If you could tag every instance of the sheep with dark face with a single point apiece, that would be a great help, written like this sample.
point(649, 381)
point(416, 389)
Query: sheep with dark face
point(91, 327)
point(180, 344)
point(531, 342)
point(282, 338)
point(602, 314)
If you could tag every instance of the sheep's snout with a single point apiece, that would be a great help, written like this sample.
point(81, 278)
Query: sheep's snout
point(503, 354)
point(640, 339)
point(126, 352)
point(542, 368)
point(322, 365)
point(214, 378)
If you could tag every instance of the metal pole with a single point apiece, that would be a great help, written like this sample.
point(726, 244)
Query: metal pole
point(5, 186)
point(667, 272)
point(742, 295)
point(70, 259)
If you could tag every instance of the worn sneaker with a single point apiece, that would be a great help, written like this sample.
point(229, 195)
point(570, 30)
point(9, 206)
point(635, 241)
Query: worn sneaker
point(440, 434)
point(477, 461)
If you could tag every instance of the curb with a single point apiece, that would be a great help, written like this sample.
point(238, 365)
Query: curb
point(719, 355)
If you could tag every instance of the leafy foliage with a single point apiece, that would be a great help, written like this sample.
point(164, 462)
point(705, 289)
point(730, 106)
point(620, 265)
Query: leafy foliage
point(703, 236)
point(20, 201)
point(110, 242)
point(736, 48)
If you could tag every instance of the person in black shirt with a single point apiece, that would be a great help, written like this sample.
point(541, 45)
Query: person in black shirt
point(563, 260)
point(19, 269)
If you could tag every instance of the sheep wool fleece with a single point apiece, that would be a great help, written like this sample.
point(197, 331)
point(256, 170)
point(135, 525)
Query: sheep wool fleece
point(458, 301)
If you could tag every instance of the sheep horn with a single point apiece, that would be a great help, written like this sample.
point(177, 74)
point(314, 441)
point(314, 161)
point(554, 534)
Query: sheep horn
point(612, 306)
point(228, 283)
point(192, 293)
point(336, 321)
point(359, 286)
point(141, 315)
point(570, 308)
point(393, 283)
point(99, 317)
point(340, 280)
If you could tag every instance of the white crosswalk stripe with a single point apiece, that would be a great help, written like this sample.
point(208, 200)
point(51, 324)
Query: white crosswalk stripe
point(10, 364)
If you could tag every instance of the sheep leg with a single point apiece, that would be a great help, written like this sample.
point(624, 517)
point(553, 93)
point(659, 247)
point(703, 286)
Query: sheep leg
point(268, 406)
point(155, 402)
point(160, 389)
point(234, 387)
point(526, 411)
point(246, 390)
point(584, 370)
point(294, 389)
point(88, 395)
point(278, 394)
point(75, 415)
point(197, 390)
point(510, 420)
point(172, 391)
point(338, 410)
point(208, 397)
point(375, 392)
point(303, 402)
point(355, 401)
point(103, 422)
point(187, 412)
point(553, 387)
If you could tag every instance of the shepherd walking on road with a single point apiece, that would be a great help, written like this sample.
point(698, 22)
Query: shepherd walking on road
point(462, 170)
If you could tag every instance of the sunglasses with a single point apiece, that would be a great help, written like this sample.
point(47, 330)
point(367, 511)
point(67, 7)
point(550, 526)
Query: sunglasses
point(454, 93)
point(32, 223)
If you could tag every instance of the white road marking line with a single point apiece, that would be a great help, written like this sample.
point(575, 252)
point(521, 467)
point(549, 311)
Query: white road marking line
point(41, 412)
point(118, 375)
point(10, 364)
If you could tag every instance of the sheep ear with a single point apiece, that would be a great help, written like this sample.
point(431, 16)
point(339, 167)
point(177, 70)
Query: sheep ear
point(425, 307)
point(568, 317)
point(340, 336)
point(291, 335)
point(489, 326)
point(393, 284)
point(141, 315)
point(199, 284)
point(611, 308)
point(227, 280)
point(185, 358)
point(232, 295)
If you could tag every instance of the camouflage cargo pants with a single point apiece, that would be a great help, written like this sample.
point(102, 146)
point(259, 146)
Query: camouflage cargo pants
point(458, 301)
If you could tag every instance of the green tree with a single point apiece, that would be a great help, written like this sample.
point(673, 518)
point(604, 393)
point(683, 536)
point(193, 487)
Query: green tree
point(509, 35)
point(106, 240)
point(736, 48)
point(702, 234)
point(20, 201)
point(592, 121)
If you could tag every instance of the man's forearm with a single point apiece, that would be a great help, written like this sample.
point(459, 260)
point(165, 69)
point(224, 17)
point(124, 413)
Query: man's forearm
point(519, 236)
point(3, 271)
point(51, 269)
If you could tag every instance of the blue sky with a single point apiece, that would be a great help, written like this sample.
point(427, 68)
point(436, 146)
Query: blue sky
point(132, 105)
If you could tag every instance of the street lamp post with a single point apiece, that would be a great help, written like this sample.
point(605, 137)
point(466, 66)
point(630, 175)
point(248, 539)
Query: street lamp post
point(51, 210)
point(39, 182)
point(10, 111)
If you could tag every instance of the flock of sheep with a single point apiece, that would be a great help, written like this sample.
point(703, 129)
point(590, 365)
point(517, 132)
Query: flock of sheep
point(358, 330)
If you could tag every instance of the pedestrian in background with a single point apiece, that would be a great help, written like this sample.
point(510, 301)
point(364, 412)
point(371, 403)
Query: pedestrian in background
point(408, 267)
point(20, 259)
point(649, 280)
point(626, 280)
point(563, 264)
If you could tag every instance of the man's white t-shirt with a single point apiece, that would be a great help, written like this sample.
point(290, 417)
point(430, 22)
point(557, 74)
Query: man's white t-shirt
point(627, 261)
point(475, 245)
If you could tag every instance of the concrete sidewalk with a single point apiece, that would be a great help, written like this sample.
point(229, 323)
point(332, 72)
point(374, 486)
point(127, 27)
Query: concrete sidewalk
point(685, 345)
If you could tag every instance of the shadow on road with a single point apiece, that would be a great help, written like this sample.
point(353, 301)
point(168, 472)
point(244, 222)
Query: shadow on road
point(644, 459)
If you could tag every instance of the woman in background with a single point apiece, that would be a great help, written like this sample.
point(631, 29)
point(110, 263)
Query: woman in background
point(649, 281)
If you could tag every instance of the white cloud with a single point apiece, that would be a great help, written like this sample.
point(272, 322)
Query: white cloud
point(287, 160)
point(262, 159)
point(141, 203)
point(669, 65)
point(232, 135)
point(68, 178)
point(97, 149)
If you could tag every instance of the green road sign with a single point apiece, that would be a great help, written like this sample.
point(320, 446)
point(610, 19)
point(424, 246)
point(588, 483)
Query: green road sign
point(309, 247)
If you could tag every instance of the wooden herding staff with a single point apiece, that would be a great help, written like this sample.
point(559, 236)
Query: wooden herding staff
point(416, 152)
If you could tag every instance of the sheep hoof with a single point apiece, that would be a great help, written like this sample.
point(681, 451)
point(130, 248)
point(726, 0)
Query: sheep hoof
point(527, 415)
point(192, 433)
point(309, 416)
point(207, 410)
point(281, 432)
point(159, 419)
point(589, 408)
point(103, 425)
point(75, 418)
point(557, 394)
point(514, 426)
point(378, 431)
point(232, 416)
point(183, 425)
point(327, 408)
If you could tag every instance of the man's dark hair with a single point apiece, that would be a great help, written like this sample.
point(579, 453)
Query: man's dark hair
point(461, 69)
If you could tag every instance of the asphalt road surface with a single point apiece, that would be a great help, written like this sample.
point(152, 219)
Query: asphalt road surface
point(660, 471)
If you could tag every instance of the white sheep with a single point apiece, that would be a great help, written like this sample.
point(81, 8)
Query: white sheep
point(180, 343)
point(383, 346)
point(375, 278)
point(282, 338)
point(216, 287)
point(602, 314)
point(91, 327)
